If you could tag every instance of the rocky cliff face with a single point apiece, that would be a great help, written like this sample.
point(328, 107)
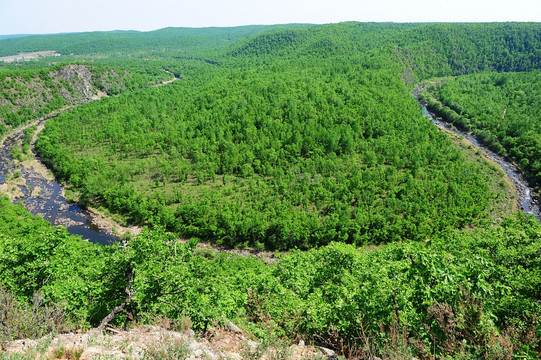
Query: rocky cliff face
point(79, 78)
point(87, 84)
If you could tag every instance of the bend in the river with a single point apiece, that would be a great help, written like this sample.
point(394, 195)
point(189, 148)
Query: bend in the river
point(526, 196)
point(45, 197)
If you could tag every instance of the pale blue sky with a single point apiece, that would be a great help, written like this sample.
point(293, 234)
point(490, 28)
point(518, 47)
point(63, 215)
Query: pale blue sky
point(53, 16)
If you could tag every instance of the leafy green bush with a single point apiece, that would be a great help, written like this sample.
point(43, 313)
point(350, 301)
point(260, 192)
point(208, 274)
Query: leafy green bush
point(38, 258)
point(470, 293)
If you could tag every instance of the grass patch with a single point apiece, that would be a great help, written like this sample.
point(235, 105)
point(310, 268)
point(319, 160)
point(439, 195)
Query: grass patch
point(502, 202)
point(168, 349)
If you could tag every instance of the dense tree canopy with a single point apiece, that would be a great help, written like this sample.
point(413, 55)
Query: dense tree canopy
point(301, 158)
point(301, 138)
point(291, 138)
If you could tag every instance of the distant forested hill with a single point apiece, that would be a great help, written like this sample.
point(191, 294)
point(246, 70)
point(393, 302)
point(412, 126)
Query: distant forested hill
point(457, 49)
point(2, 37)
point(180, 40)
point(426, 49)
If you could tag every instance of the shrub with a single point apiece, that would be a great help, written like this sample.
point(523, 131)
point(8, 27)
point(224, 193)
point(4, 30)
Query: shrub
point(20, 321)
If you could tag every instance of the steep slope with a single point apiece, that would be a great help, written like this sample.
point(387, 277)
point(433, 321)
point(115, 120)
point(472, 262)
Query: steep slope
point(426, 49)
point(457, 49)
point(29, 94)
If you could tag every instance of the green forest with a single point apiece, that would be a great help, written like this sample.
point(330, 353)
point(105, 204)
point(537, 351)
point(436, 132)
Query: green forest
point(303, 141)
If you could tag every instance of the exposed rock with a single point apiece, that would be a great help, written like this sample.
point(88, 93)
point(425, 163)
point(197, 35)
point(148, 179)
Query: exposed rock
point(232, 327)
point(109, 226)
point(67, 222)
point(328, 353)
point(80, 79)
point(138, 343)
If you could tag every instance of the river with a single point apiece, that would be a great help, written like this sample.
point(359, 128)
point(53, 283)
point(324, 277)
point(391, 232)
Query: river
point(527, 198)
point(45, 198)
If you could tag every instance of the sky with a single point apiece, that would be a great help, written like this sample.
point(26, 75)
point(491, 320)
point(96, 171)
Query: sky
point(56, 16)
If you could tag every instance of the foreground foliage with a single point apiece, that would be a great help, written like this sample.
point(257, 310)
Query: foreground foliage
point(462, 294)
point(36, 257)
point(22, 320)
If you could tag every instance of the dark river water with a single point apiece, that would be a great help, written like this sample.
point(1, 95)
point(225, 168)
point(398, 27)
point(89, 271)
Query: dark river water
point(527, 198)
point(49, 203)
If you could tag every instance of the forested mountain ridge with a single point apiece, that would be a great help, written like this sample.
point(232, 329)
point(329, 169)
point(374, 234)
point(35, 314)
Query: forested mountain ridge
point(438, 49)
point(178, 40)
point(458, 49)
point(429, 49)
point(300, 138)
